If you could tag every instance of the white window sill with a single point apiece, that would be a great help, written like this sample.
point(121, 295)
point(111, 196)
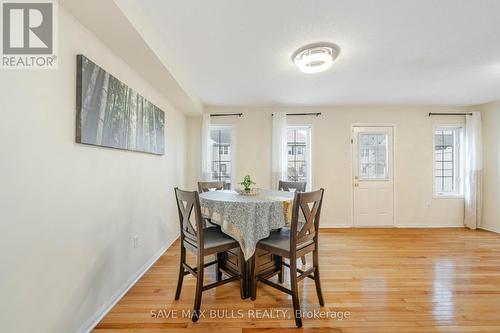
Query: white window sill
point(448, 196)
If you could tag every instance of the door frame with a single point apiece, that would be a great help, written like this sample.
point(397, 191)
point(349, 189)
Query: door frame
point(351, 173)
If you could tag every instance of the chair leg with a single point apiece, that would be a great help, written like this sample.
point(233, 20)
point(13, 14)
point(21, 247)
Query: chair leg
point(182, 260)
point(303, 259)
point(199, 286)
point(295, 292)
point(317, 279)
point(218, 272)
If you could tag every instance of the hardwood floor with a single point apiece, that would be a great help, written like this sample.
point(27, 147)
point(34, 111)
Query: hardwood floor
point(389, 280)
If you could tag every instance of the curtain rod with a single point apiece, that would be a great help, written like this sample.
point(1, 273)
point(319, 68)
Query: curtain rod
point(317, 114)
point(226, 114)
point(450, 114)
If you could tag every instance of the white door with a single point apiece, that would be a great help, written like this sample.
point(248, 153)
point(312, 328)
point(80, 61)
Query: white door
point(373, 200)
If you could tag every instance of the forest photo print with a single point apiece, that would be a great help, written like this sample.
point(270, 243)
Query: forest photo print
point(111, 114)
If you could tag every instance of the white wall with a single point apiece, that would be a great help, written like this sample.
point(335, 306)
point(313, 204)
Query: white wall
point(491, 167)
point(68, 212)
point(331, 151)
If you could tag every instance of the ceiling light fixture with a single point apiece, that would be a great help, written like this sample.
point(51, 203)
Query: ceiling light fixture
point(315, 58)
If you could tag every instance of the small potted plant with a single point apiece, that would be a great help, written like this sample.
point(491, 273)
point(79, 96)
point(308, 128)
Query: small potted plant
point(247, 183)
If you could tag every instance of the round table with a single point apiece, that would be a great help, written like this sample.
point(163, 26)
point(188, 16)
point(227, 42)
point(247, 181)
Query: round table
point(247, 219)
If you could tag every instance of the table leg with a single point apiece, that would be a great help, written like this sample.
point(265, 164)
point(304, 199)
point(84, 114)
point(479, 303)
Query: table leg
point(249, 271)
point(266, 262)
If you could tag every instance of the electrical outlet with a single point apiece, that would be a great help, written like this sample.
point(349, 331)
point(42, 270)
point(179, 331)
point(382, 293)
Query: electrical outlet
point(136, 241)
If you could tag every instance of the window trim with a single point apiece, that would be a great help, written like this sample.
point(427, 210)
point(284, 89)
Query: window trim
point(458, 162)
point(308, 151)
point(231, 152)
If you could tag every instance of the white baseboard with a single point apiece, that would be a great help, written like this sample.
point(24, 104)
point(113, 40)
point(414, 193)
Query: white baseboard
point(490, 228)
point(429, 226)
point(335, 226)
point(90, 324)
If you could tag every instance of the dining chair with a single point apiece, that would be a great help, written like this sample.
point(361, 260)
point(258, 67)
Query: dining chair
point(297, 240)
point(206, 186)
point(202, 242)
point(287, 186)
point(297, 186)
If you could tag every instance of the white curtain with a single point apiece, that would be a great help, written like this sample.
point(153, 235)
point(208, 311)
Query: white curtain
point(279, 151)
point(206, 148)
point(473, 171)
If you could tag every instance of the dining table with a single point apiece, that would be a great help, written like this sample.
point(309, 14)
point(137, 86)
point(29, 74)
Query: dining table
point(248, 219)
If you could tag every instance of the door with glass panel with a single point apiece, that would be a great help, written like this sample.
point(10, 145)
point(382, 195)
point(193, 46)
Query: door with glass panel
point(373, 195)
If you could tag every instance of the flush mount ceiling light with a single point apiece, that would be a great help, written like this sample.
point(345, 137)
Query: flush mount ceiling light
point(315, 58)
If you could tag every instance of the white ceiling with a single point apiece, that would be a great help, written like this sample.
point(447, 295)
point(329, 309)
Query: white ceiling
point(238, 52)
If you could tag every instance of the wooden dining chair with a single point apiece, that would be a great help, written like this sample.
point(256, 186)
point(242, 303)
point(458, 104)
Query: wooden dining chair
point(287, 186)
point(206, 186)
point(202, 242)
point(298, 240)
point(299, 187)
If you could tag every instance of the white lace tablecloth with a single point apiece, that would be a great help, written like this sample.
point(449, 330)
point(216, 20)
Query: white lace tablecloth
point(247, 219)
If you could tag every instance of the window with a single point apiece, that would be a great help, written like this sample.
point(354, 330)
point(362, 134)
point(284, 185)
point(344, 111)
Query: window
point(373, 156)
point(447, 161)
point(221, 140)
point(299, 154)
point(223, 150)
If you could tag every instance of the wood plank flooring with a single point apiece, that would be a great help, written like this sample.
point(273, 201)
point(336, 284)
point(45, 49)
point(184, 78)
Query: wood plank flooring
point(389, 280)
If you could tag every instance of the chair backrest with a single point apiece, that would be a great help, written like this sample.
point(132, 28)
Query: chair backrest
point(206, 186)
point(286, 186)
point(309, 204)
point(188, 205)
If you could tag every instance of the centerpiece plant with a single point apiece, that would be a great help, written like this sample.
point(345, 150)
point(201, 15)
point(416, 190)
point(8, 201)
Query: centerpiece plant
point(247, 183)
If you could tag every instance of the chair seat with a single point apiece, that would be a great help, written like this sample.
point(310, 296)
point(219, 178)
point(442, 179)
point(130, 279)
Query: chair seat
point(214, 237)
point(280, 239)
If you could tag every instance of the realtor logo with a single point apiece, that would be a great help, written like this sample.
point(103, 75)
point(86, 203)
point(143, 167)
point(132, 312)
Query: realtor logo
point(28, 34)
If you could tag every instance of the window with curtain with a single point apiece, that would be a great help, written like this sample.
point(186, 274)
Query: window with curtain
point(448, 165)
point(299, 154)
point(222, 154)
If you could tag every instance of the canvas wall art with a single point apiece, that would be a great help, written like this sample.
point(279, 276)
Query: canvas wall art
point(111, 114)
